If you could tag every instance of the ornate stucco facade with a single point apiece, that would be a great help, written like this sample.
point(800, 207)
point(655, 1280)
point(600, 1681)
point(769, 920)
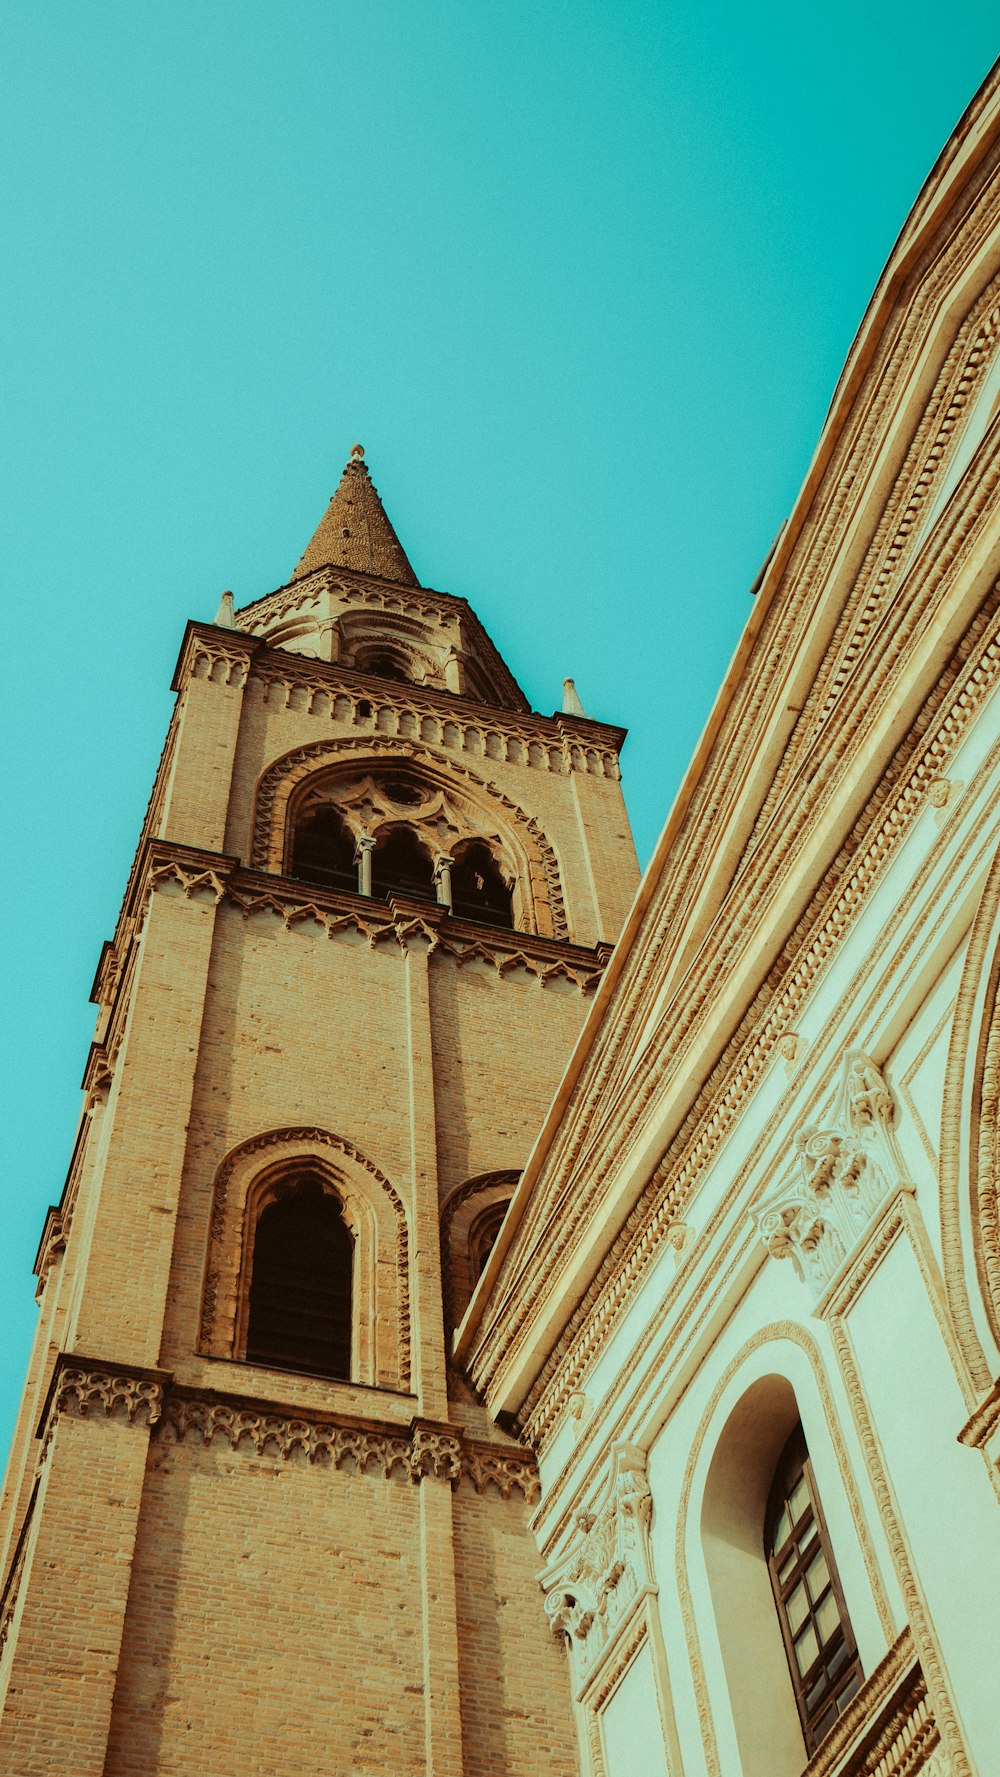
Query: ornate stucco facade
point(650, 1214)
point(764, 1208)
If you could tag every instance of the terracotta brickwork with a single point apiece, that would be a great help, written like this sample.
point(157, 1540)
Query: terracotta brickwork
point(221, 1565)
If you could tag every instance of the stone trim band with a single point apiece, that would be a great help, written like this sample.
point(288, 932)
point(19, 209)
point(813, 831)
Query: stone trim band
point(82, 1388)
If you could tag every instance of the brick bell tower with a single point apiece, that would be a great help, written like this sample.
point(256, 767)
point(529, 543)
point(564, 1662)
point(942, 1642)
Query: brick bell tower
point(253, 1522)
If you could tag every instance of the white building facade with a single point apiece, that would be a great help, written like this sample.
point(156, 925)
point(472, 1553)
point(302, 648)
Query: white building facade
point(745, 1306)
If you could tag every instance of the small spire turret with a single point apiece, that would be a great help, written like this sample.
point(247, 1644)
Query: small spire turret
point(354, 531)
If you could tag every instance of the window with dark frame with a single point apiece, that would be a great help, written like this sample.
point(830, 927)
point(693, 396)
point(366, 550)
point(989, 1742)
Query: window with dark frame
point(300, 1306)
point(323, 851)
point(478, 890)
point(819, 1642)
point(401, 865)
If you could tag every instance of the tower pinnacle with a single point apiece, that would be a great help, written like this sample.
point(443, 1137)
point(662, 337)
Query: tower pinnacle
point(354, 531)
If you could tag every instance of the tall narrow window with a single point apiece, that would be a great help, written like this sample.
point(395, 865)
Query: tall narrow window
point(401, 865)
point(300, 1287)
point(323, 851)
point(478, 890)
point(819, 1642)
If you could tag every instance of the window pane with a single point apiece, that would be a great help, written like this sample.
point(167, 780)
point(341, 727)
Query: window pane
point(825, 1723)
point(782, 1531)
point(817, 1576)
point(850, 1689)
point(806, 1649)
point(827, 1618)
point(786, 1566)
point(798, 1504)
point(797, 1607)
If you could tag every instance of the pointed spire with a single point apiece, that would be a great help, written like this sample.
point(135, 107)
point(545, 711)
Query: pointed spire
point(354, 531)
point(225, 617)
point(571, 701)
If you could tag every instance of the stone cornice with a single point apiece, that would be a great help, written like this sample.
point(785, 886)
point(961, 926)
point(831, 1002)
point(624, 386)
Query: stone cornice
point(89, 1388)
point(586, 1163)
point(207, 649)
point(386, 595)
point(399, 920)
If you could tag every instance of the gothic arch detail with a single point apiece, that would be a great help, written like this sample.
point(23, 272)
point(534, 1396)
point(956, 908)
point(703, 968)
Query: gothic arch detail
point(462, 1211)
point(246, 1180)
point(488, 813)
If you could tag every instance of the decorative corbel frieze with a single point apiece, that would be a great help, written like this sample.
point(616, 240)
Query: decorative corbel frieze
point(83, 1389)
point(847, 1170)
point(435, 1450)
point(590, 1591)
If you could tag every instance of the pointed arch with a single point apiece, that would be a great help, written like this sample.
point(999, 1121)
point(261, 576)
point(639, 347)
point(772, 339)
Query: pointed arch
point(538, 899)
point(257, 1173)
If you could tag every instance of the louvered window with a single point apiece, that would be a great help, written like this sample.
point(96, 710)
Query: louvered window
point(300, 1285)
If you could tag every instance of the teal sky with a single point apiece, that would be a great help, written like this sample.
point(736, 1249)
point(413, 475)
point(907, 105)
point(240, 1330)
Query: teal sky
point(581, 277)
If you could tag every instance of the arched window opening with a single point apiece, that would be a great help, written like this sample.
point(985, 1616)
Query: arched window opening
point(478, 890)
point(300, 1305)
point(401, 865)
point(483, 1237)
point(384, 666)
point(323, 852)
point(819, 1643)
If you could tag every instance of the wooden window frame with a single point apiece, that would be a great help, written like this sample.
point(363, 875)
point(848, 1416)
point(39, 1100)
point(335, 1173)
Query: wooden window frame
point(807, 1537)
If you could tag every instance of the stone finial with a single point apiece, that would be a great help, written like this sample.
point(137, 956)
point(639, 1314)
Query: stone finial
point(571, 702)
point(225, 617)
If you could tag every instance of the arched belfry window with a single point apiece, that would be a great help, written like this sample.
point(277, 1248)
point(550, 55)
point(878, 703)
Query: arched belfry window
point(300, 1299)
point(323, 851)
point(384, 663)
point(478, 889)
point(401, 865)
point(816, 1630)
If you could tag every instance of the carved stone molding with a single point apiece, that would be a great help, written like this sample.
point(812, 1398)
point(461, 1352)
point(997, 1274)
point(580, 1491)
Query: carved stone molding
point(499, 1465)
point(543, 1242)
point(888, 1729)
point(83, 1388)
point(590, 1590)
point(847, 1170)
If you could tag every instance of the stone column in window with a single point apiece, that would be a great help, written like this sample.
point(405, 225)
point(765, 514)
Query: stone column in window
point(442, 880)
point(363, 855)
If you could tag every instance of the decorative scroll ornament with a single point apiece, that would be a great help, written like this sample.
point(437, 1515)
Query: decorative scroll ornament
point(848, 1170)
point(590, 1592)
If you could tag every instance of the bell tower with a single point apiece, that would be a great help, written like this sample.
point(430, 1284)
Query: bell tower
point(253, 1520)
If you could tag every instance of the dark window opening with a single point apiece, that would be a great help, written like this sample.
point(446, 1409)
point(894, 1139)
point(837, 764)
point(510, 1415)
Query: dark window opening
point(401, 866)
point(300, 1290)
point(478, 890)
point(406, 794)
point(323, 852)
point(385, 666)
point(819, 1642)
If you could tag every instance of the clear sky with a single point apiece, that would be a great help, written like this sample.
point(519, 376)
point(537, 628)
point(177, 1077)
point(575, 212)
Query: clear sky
point(581, 276)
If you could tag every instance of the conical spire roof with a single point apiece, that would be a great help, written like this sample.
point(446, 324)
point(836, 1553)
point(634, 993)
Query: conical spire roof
point(354, 531)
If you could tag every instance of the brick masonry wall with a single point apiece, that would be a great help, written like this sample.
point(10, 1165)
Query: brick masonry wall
point(222, 1611)
point(516, 1709)
point(274, 1621)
